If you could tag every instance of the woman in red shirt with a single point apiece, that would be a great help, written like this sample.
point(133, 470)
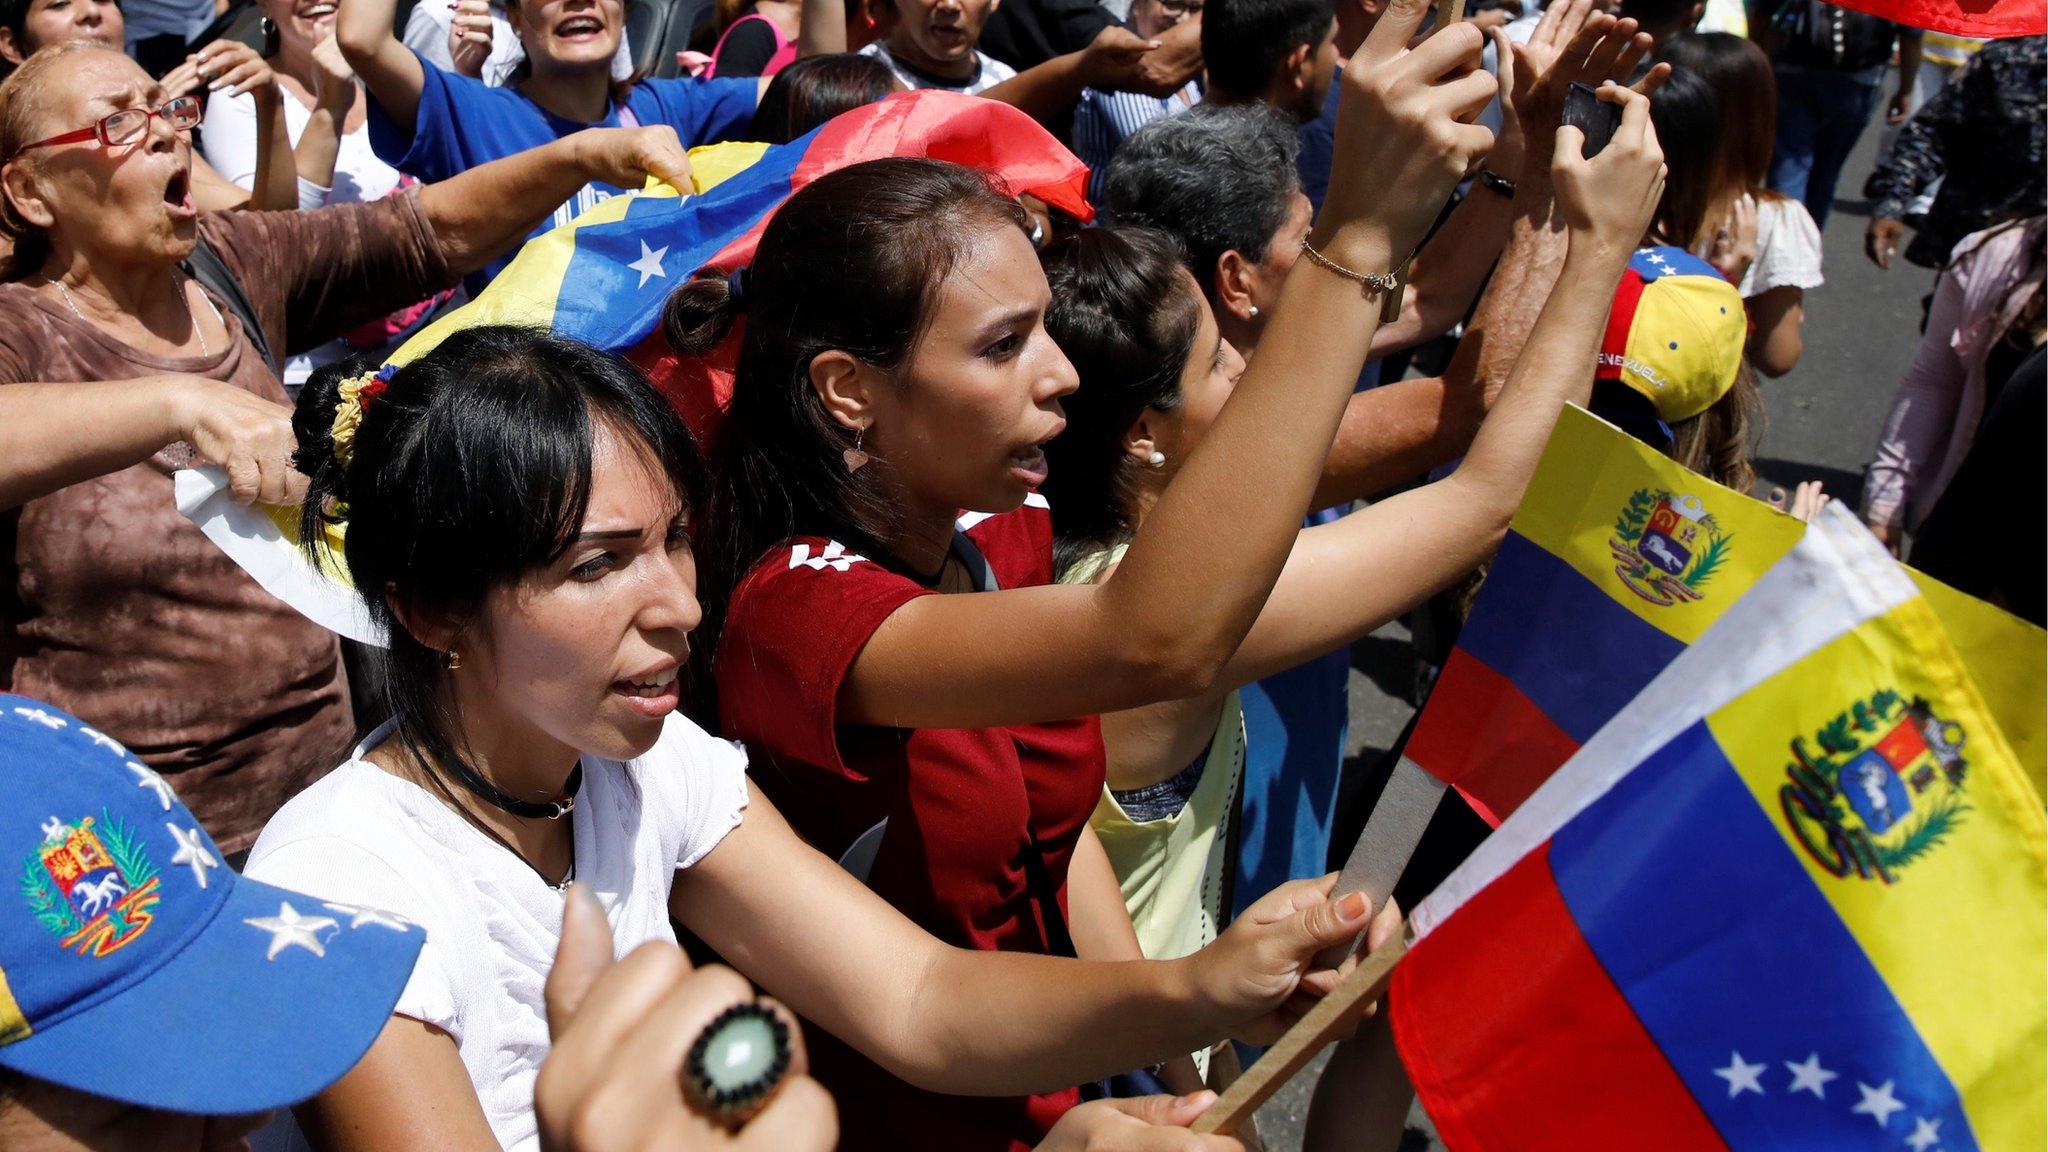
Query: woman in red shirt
point(894, 370)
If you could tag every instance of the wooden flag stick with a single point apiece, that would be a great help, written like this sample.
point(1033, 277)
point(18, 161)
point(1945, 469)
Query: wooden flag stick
point(1449, 12)
point(1335, 1014)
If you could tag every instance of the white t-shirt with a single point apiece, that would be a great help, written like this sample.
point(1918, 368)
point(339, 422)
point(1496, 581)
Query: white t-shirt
point(992, 72)
point(1787, 248)
point(363, 836)
point(229, 141)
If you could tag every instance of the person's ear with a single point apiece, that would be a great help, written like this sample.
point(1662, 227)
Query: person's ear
point(25, 196)
point(1299, 68)
point(844, 386)
point(9, 50)
point(1234, 276)
point(1699, 12)
point(430, 629)
point(1139, 439)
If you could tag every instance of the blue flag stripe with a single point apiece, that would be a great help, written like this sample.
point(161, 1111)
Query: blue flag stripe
point(1576, 653)
point(1720, 942)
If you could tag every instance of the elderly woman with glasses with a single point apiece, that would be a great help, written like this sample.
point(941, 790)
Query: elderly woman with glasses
point(142, 337)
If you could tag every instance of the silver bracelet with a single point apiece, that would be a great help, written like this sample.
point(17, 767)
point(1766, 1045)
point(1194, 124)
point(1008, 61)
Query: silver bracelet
point(1370, 284)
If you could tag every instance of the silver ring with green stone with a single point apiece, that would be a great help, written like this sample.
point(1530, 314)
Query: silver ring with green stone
point(737, 1063)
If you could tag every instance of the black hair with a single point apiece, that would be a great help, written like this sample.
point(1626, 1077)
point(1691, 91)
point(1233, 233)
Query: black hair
point(852, 262)
point(1659, 15)
point(1126, 316)
point(1216, 178)
point(470, 469)
point(815, 89)
point(1687, 114)
point(1244, 42)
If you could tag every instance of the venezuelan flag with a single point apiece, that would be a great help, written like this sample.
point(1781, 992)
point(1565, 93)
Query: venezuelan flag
point(603, 277)
point(1616, 561)
point(1791, 898)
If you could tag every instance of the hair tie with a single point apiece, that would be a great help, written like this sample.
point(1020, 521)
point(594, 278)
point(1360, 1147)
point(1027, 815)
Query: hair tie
point(356, 394)
point(736, 289)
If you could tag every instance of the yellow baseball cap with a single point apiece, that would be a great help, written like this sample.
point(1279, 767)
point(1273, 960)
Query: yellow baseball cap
point(1676, 332)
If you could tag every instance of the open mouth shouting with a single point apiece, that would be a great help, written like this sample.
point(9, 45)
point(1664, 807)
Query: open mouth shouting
point(178, 194)
point(580, 28)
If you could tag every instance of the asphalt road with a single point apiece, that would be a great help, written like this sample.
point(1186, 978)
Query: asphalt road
point(1861, 329)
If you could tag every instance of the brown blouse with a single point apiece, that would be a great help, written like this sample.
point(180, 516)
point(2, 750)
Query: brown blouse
point(116, 609)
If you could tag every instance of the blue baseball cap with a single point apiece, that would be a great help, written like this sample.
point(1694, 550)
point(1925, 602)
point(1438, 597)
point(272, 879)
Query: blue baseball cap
point(135, 965)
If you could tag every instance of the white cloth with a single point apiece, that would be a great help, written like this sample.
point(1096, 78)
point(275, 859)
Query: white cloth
point(362, 836)
point(426, 32)
point(991, 73)
point(1787, 248)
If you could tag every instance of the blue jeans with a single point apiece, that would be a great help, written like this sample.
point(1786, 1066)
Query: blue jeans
point(1820, 117)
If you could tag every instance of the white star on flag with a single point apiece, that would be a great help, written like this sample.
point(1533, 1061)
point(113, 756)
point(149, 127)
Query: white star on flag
point(144, 778)
point(1878, 1103)
point(649, 263)
point(46, 719)
point(192, 850)
point(103, 740)
point(1809, 1076)
point(1926, 1134)
point(1741, 1076)
point(361, 916)
point(288, 929)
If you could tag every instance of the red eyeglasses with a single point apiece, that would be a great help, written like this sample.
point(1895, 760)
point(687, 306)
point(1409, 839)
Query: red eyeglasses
point(129, 125)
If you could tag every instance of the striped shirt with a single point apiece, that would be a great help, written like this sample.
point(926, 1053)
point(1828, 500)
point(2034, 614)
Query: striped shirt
point(990, 73)
point(1104, 120)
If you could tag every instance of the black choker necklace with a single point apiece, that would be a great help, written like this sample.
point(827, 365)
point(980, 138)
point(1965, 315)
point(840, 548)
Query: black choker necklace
point(497, 797)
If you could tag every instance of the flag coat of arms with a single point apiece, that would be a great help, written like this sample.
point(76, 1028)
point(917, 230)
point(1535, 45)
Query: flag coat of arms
point(1616, 561)
point(1792, 897)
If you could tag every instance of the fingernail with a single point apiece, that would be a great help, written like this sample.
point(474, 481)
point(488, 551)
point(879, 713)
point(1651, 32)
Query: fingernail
point(1353, 907)
point(1201, 1099)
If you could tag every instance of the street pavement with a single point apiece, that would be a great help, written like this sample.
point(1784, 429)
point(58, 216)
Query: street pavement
point(1861, 329)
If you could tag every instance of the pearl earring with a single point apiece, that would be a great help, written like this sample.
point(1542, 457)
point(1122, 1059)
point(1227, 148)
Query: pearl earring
point(1255, 311)
point(1156, 458)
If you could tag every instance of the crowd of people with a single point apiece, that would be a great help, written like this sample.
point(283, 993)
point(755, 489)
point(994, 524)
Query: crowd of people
point(945, 751)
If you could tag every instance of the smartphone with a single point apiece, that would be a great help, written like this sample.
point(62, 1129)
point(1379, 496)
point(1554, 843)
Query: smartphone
point(1584, 110)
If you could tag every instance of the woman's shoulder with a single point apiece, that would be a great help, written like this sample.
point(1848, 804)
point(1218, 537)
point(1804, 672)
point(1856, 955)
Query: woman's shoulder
point(345, 838)
point(693, 788)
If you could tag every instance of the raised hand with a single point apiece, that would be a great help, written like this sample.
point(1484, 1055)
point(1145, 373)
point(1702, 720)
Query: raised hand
point(1607, 202)
point(1573, 43)
point(334, 82)
point(1405, 135)
point(1263, 967)
point(625, 157)
point(613, 1079)
point(222, 66)
point(1114, 60)
point(469, 36)
point(1733, 248)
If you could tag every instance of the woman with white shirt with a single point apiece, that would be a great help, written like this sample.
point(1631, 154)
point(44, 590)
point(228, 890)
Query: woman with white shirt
point(326, 122)
point(520, 507)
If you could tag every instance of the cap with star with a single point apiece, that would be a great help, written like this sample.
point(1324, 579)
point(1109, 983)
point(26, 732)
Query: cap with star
point(1676, 333)
point(136, 966)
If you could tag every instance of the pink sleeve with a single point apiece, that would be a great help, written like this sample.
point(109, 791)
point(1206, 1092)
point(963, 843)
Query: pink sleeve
point(1917, 430)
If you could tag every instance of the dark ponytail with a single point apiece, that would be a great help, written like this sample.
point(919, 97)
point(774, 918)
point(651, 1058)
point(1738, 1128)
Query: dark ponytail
point(1125, 312)
point(853, 262)
point(470, 468)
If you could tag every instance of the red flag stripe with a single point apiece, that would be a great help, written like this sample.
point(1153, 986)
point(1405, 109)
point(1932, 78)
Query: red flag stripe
point(1516, 1039)
point(1485, 736)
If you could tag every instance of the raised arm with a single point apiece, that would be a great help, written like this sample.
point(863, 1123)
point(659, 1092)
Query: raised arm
point(394, 76)
point(990, 1023)
point(44, 446)
point(477, 214)
point(1347, 578)
point(821, 28)
point(1114, 57)
point(1152, 632)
